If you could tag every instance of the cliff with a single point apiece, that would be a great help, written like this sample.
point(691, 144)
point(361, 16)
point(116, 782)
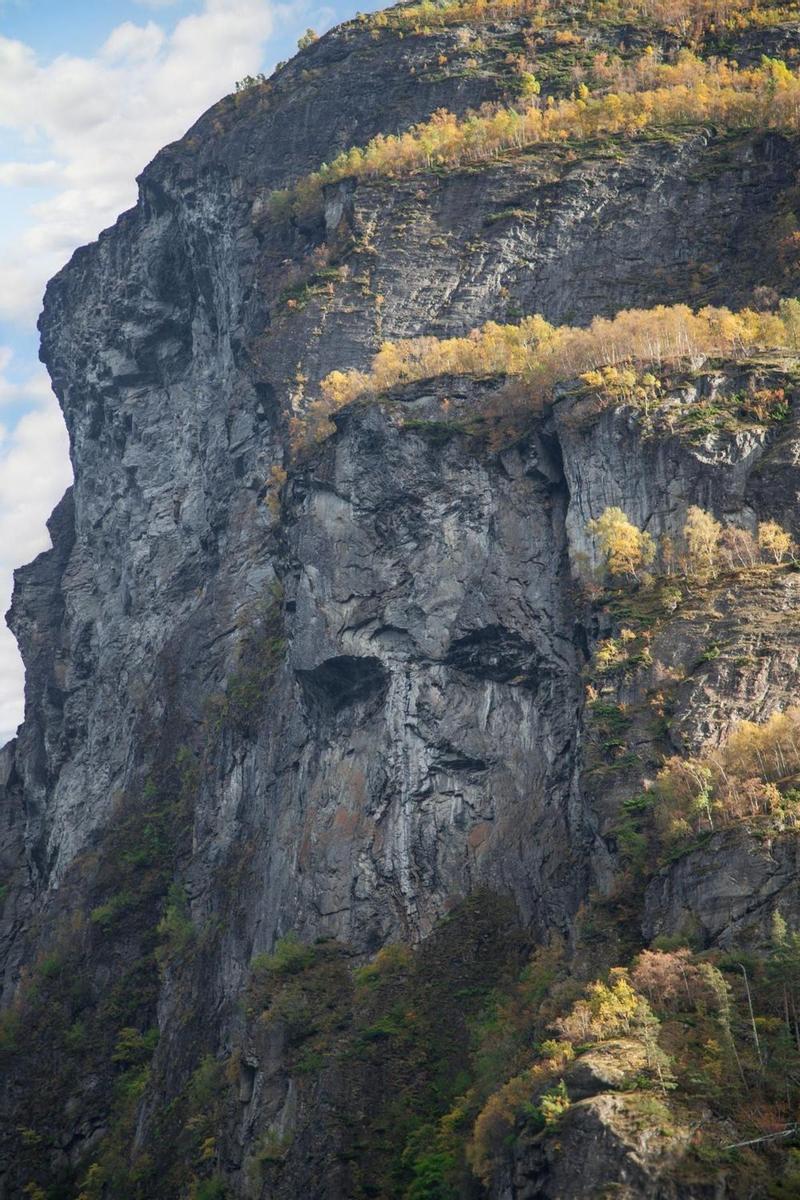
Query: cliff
point(322, 783)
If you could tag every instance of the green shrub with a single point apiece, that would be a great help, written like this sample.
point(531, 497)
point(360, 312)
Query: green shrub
point(175, 927)
point(554, 1103)
point(250, 81)
point(432, 1177)
point(134, 1047)
point(210, 1189)
point(289, 957)
point(51, 966)
point(106, 914)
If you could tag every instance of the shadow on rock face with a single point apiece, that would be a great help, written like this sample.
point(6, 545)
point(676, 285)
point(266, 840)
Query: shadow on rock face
point(340, 682)
point(498, 654)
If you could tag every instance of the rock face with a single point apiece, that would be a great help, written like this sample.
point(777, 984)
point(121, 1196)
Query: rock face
point(442, 703)
point(600, 1141)
point(359, 695)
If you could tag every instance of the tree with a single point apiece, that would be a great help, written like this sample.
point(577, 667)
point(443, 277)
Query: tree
point(627, 550)
point(638, 95)
point(739, 548)
point(668, 977)
point(608, 355)
point(610, 1010)
point(769, 751)
point(307, 39)
point(617, 1009)
point(529, 85)
point(702, 534)
point(683, 789)
point(718, 988)
point(789, 312)
point(554, 1103)
point(783, 973)
point(250, 81)
point(774, 541)
point(745, 777)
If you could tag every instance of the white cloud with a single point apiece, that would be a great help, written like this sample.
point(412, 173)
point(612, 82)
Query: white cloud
point(133, 42)
point(93, 123)
point(33, 391)
point(34, 471)
point(30, 174)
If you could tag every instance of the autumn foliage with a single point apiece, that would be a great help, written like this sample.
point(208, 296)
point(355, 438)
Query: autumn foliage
point(754, 773)
point(626, 549)
point(610, 353)
point(686, 18)
point(686, 92)
point(704, 548)
point(609, 1009)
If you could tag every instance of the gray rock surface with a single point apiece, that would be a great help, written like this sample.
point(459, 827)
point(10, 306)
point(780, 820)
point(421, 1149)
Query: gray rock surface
point(421, 733)
point(602, 1149)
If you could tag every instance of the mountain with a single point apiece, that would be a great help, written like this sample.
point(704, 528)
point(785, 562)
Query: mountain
point(407, 799)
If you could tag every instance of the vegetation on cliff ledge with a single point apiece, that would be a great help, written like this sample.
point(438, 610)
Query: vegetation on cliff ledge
point(686, 18)
point(618, 359)
point(627, 100)
point(473, 1046)
point(425, 1073)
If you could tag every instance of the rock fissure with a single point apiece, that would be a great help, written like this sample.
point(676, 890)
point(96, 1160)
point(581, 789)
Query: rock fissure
point(335, 712)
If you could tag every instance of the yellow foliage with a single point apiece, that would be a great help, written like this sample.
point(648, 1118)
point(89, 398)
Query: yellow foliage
point(208, 1150)
point(647, 94)
point(616, 1009)
point(607, 355)
point(742, 779)
point(770, 751)
point(497, 1118)
point(277, 478)
point(566, 37)
point(608, 1009)
point(624, 383)
point(529, 84)
point(686, 18)
point(608, 654)
point(495, 1122)
point(702, 534)
point(692, 17)
point(93, 1185)
point(739, 548)
point(683, 798)
point(426, 16)
point(625, 548)
point(604, 354)
point(613, 1009)
point(774, 541)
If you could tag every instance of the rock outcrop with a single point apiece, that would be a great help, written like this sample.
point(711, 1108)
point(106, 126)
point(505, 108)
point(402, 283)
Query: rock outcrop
point(336, 705)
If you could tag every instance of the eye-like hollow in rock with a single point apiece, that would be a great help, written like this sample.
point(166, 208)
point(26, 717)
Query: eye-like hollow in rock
point(496, 653)
point(345, 680)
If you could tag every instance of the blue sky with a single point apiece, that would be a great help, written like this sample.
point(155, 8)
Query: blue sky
point(89, 92)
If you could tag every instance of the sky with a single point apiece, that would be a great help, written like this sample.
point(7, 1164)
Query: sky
point(89, 92)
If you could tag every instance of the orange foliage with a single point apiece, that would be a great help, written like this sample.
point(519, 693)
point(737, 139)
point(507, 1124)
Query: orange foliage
point(691, 18)
point(426, 15)
point(671, 981)
point(748, 776)
point(685, 92)
point(496, 1120)
point(540, 355)
point(687, 18)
